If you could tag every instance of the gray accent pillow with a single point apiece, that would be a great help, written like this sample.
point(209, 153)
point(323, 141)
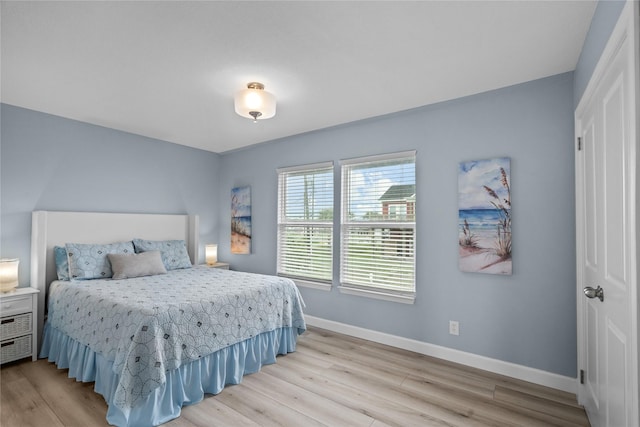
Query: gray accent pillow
point(125, 266)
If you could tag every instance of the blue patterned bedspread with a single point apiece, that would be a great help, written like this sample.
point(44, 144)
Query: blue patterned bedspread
point(150, 325)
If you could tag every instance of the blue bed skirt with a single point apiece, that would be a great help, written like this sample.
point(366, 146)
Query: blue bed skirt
point(185, 385)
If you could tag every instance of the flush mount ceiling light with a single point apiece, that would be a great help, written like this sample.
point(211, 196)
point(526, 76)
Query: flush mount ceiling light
point(255, 103)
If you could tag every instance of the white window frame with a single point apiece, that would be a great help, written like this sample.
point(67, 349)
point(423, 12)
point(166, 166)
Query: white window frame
point(283, 224)
point(382, 292)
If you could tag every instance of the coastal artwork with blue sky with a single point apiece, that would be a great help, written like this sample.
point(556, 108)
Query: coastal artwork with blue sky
point(241, 220)
point(484, 216)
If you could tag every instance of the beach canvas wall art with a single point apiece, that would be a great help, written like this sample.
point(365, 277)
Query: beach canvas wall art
point(241, 220)
point(484, 216)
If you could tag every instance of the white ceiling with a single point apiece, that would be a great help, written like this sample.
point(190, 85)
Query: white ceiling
point(169, 70)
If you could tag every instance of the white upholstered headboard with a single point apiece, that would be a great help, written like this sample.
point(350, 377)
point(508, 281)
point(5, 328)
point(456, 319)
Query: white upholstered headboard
point(49, 229)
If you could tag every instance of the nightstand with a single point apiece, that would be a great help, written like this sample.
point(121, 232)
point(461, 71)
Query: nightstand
point(19, 324)
point(222, 265)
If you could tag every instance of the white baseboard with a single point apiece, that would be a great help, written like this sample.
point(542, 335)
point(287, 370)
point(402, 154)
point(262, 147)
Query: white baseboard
point(513, 370)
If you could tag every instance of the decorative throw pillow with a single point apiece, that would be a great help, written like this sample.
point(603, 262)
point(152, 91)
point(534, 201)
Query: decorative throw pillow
point(88, 261)
point(62, 263)
point(125, 266)
point(174, 252)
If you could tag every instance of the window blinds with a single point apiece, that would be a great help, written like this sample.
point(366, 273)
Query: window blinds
point(305, 222)
point(378, 223)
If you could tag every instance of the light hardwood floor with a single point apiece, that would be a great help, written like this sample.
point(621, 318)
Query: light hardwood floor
point(331, 380)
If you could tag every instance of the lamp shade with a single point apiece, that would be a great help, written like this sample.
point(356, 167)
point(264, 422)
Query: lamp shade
point(255, 103)
point(8, 274)
point(211, 254)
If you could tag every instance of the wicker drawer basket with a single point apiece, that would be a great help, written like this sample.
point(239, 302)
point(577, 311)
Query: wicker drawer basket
point(16, 348)
point(15, 325)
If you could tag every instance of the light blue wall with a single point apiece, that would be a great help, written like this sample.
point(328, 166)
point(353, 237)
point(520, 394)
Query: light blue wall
point(51, 163)
point(604, 20)
point(528, 318)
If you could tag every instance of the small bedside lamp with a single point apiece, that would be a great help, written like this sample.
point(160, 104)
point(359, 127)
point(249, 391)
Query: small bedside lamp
point(211, 254)
point(8, 274)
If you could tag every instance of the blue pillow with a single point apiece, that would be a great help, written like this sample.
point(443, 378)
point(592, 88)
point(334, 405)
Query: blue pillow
point(89, 261)
point(174, 252)
point(62, 263)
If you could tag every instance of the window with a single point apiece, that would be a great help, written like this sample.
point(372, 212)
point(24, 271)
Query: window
point(378, 226)
point(305, 224)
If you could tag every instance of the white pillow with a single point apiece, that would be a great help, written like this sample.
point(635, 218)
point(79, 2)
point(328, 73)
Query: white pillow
point(125, 266)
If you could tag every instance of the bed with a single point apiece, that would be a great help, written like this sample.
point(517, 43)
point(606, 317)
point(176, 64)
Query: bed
point(153, 343)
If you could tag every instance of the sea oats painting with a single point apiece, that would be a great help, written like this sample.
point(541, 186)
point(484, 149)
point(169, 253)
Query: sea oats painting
point(484, 216)
point(241, 220)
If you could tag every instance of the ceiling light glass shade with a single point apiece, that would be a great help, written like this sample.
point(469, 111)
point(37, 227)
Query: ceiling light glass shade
point(255, 103)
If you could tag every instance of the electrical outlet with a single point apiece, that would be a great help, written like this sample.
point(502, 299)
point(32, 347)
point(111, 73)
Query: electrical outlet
point(454, 327)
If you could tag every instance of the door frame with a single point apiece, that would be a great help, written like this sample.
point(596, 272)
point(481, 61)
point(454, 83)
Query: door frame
point(626, 27)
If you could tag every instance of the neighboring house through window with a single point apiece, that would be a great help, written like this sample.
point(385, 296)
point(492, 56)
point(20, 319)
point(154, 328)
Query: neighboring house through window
point(398, 204)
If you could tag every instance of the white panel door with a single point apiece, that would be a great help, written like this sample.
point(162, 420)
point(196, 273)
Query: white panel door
point(606, 237)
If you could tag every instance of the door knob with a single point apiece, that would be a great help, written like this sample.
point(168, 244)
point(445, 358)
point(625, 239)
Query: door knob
point(594, 293)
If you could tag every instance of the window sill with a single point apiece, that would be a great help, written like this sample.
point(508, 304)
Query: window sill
point(312, 285)
point(381, 295)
